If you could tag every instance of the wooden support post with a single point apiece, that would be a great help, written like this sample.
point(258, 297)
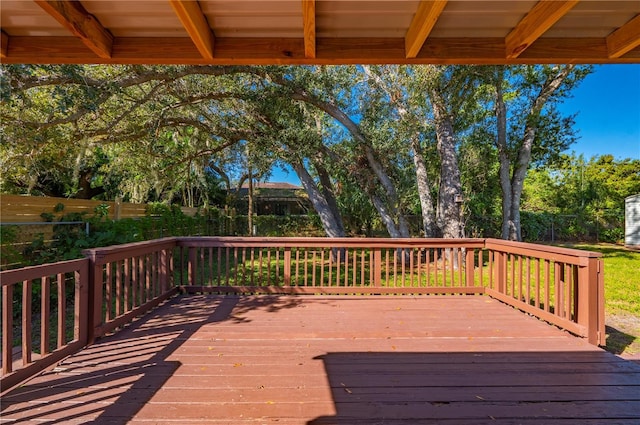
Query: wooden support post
point(7, 329)
point(590, 300)
point(600, 333)
point(81, 327)
point(377, 267)
point(171, 266)
point(95, 284)
point(469, 266)
point(287, 267)
point(192, 265)
point(559, 289)
point(62, 308)
point(500, 271)
point(45, 296)
point(26, 322)
point(164, 271)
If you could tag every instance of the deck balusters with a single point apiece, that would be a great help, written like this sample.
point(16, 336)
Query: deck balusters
point(115, 284)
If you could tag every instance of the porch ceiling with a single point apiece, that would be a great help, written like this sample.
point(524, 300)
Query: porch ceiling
point(320, 31)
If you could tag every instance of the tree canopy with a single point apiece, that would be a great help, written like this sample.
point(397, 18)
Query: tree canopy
point(372, 145)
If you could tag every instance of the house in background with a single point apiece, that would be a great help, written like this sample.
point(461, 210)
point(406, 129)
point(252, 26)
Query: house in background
point(274, 198)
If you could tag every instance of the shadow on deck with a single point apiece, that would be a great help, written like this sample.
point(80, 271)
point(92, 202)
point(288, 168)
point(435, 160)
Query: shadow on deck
point(334, 360)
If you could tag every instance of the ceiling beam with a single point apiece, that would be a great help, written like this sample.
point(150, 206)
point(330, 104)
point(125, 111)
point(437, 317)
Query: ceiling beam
point(73, 16)
point(330, 51)
point(423, 22)
point(535, 23)
point(4, 45)
point(309, 22)
point(194, 21)
point(625, 38)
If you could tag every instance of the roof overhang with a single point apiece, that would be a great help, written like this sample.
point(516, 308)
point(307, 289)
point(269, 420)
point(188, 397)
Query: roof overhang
point(320, 31)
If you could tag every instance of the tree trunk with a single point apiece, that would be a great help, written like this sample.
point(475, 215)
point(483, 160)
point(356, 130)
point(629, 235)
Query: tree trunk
point(331, 223)
point(422, 178)
point(512, 187)
point(250, 204)
point(424, 192)
point(448, 212)
point(503, 157)
point(389, 207)
point(328, 194)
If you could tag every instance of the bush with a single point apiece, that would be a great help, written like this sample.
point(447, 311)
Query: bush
point(535, 225)
point(9, 254)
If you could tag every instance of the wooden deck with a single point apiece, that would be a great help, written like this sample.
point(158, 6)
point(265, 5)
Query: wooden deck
point(334, 360)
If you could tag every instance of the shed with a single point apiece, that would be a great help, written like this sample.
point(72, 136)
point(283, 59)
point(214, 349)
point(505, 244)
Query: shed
point(632, 221)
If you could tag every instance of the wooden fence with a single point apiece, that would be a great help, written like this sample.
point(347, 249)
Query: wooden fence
point(113, 285)
point(28, 209)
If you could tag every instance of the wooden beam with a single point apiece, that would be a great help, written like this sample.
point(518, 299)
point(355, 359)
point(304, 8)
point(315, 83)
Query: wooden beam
point(4, 45)
point(196, 24)
point(73, 16)
point(625, 38)
point(423, 22)
point(330, 51)
point(539, 19)
point(309, 22)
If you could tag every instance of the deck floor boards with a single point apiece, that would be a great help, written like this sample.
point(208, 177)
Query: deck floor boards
point(334, 360)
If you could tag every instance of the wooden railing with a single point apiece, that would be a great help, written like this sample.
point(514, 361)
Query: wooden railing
point(115, 284)
point(562, 286)
point(127, 281)
point(333, 266)
point(63, 328)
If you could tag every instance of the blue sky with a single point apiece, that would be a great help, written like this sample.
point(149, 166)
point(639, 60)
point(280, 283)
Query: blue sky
point(608, 106)
point(607, 103)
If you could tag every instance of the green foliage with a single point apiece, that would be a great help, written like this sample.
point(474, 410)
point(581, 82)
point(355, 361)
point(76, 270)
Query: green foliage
point(535, 226)
point(584, 198)
point(184, 135)
point(9, 254)
point(69, 240)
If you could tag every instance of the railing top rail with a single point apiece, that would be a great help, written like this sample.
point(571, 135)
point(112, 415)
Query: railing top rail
point(9, 277)
point(567, 255)
point(321, 242)
point(119, 252)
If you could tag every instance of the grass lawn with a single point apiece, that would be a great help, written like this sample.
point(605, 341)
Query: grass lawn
point(622, 297)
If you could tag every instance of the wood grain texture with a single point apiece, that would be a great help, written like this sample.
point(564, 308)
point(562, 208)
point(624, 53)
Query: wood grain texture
point(73, 16)
point(625, 38)
point(324, 33)
point(539, 19)
point(196, 25)
point(334, 360)
point(309, 28)
point(329, 51)
point(4, 44)
point(423, 22)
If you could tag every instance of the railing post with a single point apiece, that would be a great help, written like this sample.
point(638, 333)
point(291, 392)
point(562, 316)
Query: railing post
point(590, 300)
point(287, 267)
point(192, 265)
point(171, 266)
point(500, 265)
point(469, 254)
point(82, 303)
point(94, 296)
point(164, 271)
point(7, 329)
point(377, 267)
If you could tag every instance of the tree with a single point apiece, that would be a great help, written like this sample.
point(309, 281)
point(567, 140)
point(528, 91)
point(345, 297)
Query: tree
point(153, 127)
point(395, 83)
point(528, 127)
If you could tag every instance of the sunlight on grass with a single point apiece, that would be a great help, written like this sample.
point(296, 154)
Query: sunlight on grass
point(622, 296)
point(621, 277)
